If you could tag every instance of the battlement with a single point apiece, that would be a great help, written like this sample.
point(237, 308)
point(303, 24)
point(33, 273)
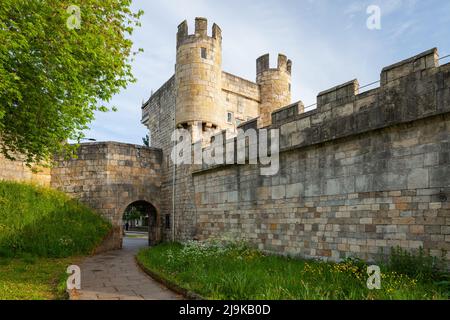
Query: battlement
point(420, 90)
point(390, 76)
point(413, 89)
point(263, 64)
point(201, 31)
point(425, 60)
point(340, 93)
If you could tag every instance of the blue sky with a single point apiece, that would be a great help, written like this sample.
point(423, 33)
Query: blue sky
point(327, 40)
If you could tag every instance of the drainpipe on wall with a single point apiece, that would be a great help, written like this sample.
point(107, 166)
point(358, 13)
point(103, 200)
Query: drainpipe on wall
point(174, 170)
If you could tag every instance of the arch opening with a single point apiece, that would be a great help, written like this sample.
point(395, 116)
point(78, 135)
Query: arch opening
point(141, 220)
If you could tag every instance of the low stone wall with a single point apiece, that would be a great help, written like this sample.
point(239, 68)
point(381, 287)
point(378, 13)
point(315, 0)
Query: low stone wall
point(18, 171)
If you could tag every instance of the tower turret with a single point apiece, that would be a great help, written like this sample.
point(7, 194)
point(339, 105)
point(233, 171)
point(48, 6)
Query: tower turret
point(275, 86)
point(198, 74)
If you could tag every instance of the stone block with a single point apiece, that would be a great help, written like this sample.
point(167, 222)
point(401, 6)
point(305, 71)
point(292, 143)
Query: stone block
point(364, 183)
point(294, 190)
point(418, 178)
point(278, 192)
point(417, 229)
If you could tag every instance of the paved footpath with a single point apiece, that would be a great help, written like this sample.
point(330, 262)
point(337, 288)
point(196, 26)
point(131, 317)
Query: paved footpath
point(115, 276)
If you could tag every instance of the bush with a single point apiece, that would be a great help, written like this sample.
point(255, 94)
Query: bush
point(43, 222)
point(420, 265)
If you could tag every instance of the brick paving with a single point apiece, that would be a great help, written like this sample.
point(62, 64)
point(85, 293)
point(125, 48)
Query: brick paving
point(115, 275)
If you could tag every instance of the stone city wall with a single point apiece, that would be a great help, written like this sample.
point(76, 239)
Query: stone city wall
point(359, 175)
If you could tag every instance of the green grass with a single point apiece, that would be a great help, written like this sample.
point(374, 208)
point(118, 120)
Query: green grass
point(41, 231)
point(36, 279)
point(46, 223)
point(239, 272)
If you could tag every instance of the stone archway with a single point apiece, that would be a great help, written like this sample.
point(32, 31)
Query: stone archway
point(150, 212)
point(108, 177)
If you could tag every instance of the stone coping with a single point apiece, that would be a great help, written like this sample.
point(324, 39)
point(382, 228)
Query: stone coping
point(411, 59)
point(116, 143)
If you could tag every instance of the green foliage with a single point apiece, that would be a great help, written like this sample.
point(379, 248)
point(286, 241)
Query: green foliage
point(218, 270)
point(53, 78)
point(133, 213)
point(37, 221)
point(420, 265)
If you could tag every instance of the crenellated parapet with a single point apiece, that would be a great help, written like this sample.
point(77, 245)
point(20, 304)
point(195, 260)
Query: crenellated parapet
point(263, 64)
point(423, 61)
point(201, 31)
point(410, 90)
point(344, 92)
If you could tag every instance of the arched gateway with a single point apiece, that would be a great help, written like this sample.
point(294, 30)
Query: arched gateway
point(150, 217)
point(108, 177)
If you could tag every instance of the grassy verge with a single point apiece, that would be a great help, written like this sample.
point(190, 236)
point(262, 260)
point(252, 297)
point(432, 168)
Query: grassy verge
point(35, 279)
point(238, 272)
point(41, 230)
point(46, 223)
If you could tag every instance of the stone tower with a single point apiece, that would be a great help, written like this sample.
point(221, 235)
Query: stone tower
point(275, 86)
point(198, 75)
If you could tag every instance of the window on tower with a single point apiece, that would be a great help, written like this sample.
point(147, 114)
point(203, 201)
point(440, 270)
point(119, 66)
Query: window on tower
point(230, 117)
point(203, 53)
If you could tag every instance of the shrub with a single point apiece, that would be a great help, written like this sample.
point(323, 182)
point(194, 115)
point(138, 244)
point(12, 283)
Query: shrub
point(420, 265)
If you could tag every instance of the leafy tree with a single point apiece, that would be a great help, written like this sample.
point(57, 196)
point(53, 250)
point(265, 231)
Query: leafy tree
point(57, 67)
point(134, 213)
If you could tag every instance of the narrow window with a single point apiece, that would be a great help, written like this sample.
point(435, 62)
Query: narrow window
point(167, 221)
point(204, 55)
point(230, 117)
